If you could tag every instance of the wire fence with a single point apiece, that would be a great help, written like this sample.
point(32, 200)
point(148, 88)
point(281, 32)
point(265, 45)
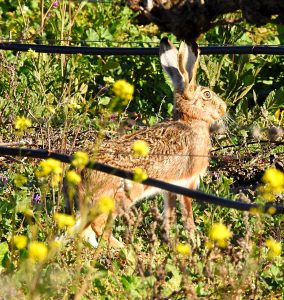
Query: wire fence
point(198, 195)
point(78, 42)
point(86, 50)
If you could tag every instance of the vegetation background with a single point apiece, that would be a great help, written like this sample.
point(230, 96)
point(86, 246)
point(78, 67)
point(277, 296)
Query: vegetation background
point(69, 101)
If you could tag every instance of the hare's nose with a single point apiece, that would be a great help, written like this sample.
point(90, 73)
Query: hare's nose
point(222, 109)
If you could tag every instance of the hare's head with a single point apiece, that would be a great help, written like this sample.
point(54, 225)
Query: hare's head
point(191, 101)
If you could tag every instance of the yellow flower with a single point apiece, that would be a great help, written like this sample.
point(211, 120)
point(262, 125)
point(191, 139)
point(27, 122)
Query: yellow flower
point(279, 115)
point(183, 249)
point(21, 124)
point(80, 159)
point(20, 241)
point(255, 211)
point(271, 210)
point(51, 109)
point(73, 104)
point(273, 184)
point(28, 212)
point(73, 178)
point(220, 234)
point(273, 178)
point(31, 54)
point(139, 175)
point(105, 204)
point(123, 89)
point(268, 196)
point(55, 179)
point(37, 251)
point(140, 148)
point(49, 166)
point(20, 180)
point(64, 220)
point(209, 245)
point(274, 248)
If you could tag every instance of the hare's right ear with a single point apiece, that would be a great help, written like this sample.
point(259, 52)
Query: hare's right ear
point(188, 59)
point(169, 60)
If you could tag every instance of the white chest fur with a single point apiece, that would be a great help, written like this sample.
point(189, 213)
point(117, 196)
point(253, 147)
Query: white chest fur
point(151, 191)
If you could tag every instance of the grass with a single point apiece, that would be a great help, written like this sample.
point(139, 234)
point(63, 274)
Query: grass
point(70, 103)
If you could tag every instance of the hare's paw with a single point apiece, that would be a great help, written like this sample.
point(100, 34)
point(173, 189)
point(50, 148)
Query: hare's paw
point(90, 237)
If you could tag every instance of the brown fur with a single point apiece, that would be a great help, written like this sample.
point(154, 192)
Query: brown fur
point(178, 149)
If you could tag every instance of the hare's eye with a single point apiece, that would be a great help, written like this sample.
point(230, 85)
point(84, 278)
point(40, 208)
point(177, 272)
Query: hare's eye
point(207, 95)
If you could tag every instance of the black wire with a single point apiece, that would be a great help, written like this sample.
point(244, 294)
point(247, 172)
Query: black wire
point(54, 41)
point(198, 195)
point(257, 49)
point(78, 49)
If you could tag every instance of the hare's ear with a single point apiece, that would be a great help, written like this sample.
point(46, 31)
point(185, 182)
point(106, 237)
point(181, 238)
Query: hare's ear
point(169, 60)
point(188, 59)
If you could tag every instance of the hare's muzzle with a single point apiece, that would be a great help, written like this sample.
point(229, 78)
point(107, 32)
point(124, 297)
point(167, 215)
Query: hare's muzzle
point(222, 109)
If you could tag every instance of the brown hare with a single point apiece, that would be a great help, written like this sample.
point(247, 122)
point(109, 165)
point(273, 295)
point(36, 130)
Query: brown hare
point(178, 148)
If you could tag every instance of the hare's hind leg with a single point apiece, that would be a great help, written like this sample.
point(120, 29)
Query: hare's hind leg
point(186, 202)
point(187, 214)
point(169, 211)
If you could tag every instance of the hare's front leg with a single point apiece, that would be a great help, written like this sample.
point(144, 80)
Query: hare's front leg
point(102, 227)
point(98, 228)
point(102, 224)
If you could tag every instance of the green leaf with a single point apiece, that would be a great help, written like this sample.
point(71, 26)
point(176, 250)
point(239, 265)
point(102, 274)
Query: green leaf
point(4, 248)
point(200, 289)
point(111, 65)
point(274, 100)
point(244, 92)
point(126, 282)
point(170, 108)
point(175, 281)
point(152, 120)
point(280, 29)
point(23, 200)
point(104, 100)
point(92, 35)
point(83, 88)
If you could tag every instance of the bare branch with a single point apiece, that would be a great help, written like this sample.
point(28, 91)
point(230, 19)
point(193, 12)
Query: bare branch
point(187, 19)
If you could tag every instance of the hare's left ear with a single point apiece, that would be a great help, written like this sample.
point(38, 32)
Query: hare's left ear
point(188, 59)
point(169, 60)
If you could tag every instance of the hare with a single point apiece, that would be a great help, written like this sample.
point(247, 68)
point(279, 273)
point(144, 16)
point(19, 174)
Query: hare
point(178, 148)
